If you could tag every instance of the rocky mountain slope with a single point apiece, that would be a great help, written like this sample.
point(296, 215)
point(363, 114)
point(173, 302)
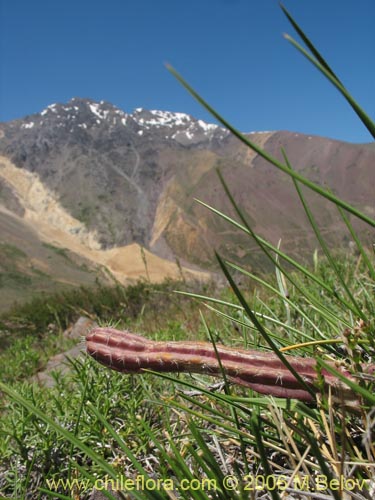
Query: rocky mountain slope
point(91, 178)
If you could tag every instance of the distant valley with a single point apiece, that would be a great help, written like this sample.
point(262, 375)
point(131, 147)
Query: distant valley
point(89, 192)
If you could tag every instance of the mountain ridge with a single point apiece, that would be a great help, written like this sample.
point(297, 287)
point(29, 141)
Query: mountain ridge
point(131, 178)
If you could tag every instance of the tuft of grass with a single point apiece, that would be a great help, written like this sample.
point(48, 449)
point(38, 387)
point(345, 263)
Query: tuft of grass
point(31, 333)
point(97, 425)
point(11, 251)
point(58, 250)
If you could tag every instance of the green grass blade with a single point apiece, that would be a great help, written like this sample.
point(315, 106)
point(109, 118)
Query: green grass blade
point(274, 249)
point(210, 409)
point(358, 389)
point(54, 494)
point(111, 431)
point(260, 328)
point(284, 341)
point(222, 371)
point(75, 365)
point(324, 311)
point(268, 157)
point(208, 298)
point(331, 319)
point(105, 493)
point(69, 436)
point(308, 43)
point(227, 392)
point(182, 470)
point(303, 290)
point(220, 424)
point(360, 247)
point(356, 309)
point(173, 462)
point(364, 117)
point(219, 397)
point(318, 60)
point(265, 247)
point(209, 463)
point(282, 288)
point(263, 454)
point(322, 462)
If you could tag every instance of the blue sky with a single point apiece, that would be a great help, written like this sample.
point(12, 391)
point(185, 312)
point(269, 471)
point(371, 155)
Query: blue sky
point(231, 51)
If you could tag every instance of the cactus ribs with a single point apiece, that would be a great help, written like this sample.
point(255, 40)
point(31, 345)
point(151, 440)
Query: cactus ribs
point(263, 372)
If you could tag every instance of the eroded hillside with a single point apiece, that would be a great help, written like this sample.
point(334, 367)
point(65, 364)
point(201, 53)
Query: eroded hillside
point(102, 183)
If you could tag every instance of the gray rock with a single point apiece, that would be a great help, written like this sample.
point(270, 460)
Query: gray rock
point(80, 329)
point(59, 362)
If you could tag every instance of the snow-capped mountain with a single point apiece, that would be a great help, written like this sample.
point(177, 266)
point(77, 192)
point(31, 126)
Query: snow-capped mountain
point(87, 114)
point(177, 126)
point(85, 149)
point(132, 178)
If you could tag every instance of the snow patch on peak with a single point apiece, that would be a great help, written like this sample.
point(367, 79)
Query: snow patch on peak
point(101, 113)
point(207, 126)
point(27, 125)
point(173, 125)
point(259, 132)
point(158, 118)
point(183, 128)
point(169, 119)
point(51, 107)
point(86, 113)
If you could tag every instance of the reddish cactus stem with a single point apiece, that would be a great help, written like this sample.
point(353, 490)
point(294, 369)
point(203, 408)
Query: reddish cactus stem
point(262, 371)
